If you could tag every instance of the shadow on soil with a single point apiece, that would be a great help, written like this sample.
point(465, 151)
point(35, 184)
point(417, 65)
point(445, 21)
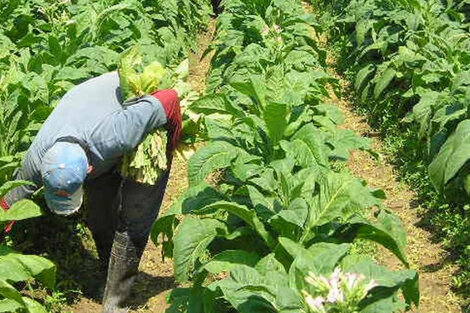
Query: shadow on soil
point(67, 242)
point(147, 286)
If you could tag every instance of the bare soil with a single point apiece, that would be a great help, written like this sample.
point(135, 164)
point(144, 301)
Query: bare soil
point(155, 278)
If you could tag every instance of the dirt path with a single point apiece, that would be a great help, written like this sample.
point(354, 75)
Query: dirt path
point(155, 278)
point(428, 258)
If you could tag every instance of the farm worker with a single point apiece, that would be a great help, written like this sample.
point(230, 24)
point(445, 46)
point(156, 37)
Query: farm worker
point(78, 150)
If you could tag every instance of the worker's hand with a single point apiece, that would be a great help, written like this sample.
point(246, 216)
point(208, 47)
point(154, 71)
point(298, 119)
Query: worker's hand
point(5, 206)
point(171, 104)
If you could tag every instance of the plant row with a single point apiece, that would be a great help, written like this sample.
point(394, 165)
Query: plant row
point(409, 62)
point(272, 214)
point(47, 47)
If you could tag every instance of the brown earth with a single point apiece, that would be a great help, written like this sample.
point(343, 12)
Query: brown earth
point(155, 278)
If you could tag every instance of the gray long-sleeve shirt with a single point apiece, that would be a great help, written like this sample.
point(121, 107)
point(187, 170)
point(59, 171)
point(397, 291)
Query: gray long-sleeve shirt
point(92, 112)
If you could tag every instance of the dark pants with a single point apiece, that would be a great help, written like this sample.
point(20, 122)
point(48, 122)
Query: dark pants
point(216, 6)
point(120, 215)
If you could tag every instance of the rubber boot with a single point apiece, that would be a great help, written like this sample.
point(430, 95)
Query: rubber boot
point(122, 272)
point(139, 207)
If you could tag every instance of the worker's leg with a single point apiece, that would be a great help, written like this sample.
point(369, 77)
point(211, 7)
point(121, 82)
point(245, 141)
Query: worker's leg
point(102, 206)
point(139, 208)
point(216, 6)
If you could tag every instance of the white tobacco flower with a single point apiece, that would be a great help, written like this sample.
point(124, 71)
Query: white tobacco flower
point(336, 295)
point(319, 282)
point(335, 278)
point(351, 280)
point(316, 304)
point(277, 28)
point(341, 292)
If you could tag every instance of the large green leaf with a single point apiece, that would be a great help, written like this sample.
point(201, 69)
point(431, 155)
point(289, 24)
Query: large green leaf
point(383, 81)
point(190, 242)
point(247, 291)
point(216, 103)
point(313, 138)
point(452, 156)
point(423, 110)
point(219, 129)
point(34, 306)
point(16, 267)
point(340, 196)
point(255, 88)
point(9, 292)
point(21, 210)
point(407, 280)
point(9, 305)
point(246, 214)
point(388, 231)
point(275, 117)
point(362, 75)
point(344, 141)
point(215, 155)
point(269, 264)
point(294, 216)
point(386, 303)
point(193, 199)
point(6, 187)
point(320, 258)
point(227, 260)
point(300, 151)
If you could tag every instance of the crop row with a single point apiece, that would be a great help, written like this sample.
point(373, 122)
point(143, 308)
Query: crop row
point(412, 58)
point(410, 65)
point(272, 213)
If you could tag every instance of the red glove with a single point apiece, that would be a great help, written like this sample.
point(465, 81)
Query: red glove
point(5, 206)
point(171, 104)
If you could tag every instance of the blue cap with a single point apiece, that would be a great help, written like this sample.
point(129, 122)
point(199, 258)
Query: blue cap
point(64, 169)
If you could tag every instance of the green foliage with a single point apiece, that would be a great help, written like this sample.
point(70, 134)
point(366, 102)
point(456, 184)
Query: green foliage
point(423, 105)
point(137, 80)
point(18, 268)
point(411, 57)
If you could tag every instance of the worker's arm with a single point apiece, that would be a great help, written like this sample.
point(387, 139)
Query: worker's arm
point(27, 172)
point(125, 129)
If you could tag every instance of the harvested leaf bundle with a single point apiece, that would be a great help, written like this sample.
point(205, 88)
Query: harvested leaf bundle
point(148, 161)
